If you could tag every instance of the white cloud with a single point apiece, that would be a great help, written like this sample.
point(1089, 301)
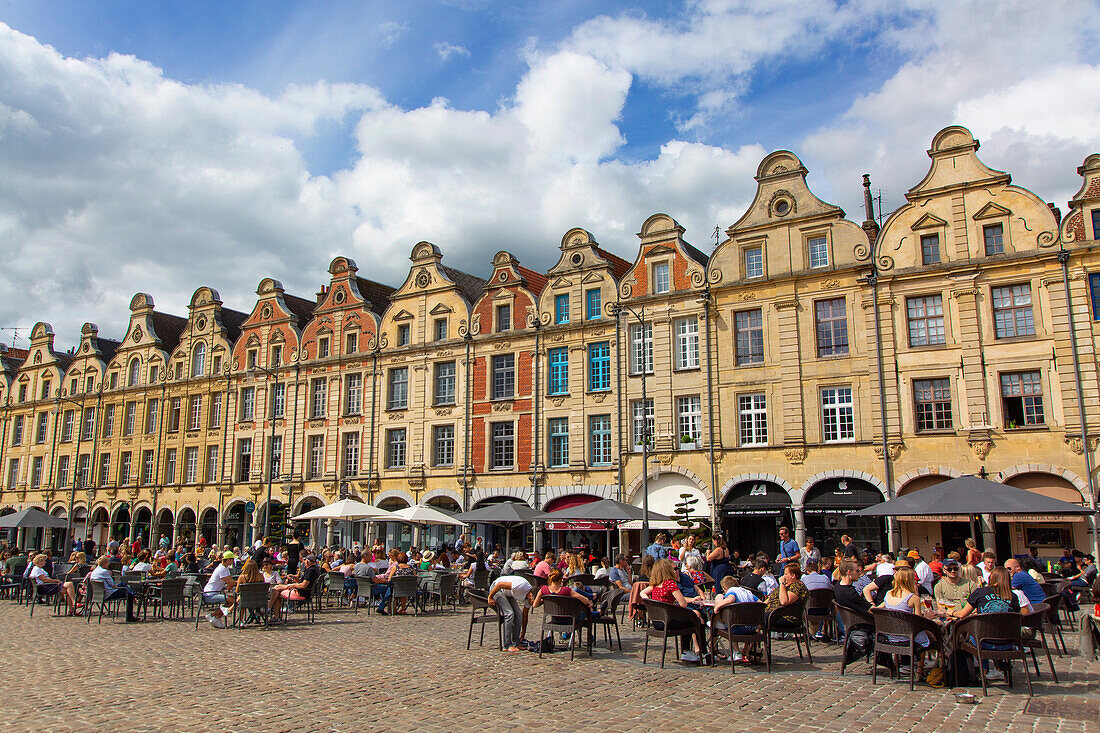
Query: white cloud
point(391, 31)
point(447, 51)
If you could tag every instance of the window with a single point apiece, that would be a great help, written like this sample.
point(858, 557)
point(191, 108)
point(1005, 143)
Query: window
point(89, 383)
point(198, 360)
point(109, 421)
point(278, 400)
point(351, 343)
point(83, 467)
point(994, 236)
point(403, 334)
point(748, 327)
point(148, 467)
point(253, 358)
point(318, 397)
point(130, 419)
point(504, 377)
point(752, 418)
point(687, 343)
point(63, 471)
point(558, 433)
point(174, 415)
point(660, 278)
point(444, 391)
point(22, 393)
point(819, 252)
point(443, 445)
point(216, 407)
point(277, 355)
point(244, 459)
point(351, 454)
point(275, 453)
point(643, 423)
point(191, 465)
point(1094, 292)
point(641, 348)
point(503, 445)
point(194, 413)
point(932, 398)
point(1022, 394)
point(323, 349)
point(211, 464)
point(399, 388)
point(152, 416)
point(925, 320)
point(504, 318)
point(395, 448)
point(754, 262)
point(592, 304)
point(67, 425)
point(88, 424)
point(561, 308)
point(125, 469)
point(440, 329)
point(599, 366)
point(832, 327)
point(599, 427)
point(689, 418)
point(36, 472)
point(558, 362)
point(216, 364)
point(72, 386)
point(353, 394)
point(45, 389)
point(248, 403)
point(104, 469)
point(17, 430)
point(170, 466)
point(134, 373)
point(837, 414)
point(1096, 223)
point(1012, 314)
point(930, 249)
point(13, 473)
point(42, 427)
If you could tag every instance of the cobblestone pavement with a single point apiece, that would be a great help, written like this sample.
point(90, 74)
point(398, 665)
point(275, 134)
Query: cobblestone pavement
point(359, 672)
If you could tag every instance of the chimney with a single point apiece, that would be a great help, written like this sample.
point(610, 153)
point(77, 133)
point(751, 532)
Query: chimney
point(870, 226)
point(321, 294)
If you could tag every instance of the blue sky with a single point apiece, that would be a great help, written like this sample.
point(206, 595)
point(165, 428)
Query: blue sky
point(160, 147)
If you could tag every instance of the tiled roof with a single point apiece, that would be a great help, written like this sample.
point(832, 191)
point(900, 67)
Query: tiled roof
point(696, 254)
point(301, 307)
point(107, 347)
point(619, 266)
point(471, 286)
point(168, 329)
point(232, 321)
point(536, 281)
point(377, 294)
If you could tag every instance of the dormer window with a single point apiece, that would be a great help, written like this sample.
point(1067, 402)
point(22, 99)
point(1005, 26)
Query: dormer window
point(72, 385)
point(930, 249)
point(994, 235)
point(661, 283)
point(1096, 223)
point(89, 383)
point(253, 357)
point(198, 360)
point(134, 374)
point(754, 262)
point(22, 393)
point(504, 318)
point(154, 373)
point(276, 356)
point(322, 347)
point(114, 380)
point(561, 308)
point(403, 334)
point(819, 252)
point(351, 343)
point(46, 389)
point(440, 329)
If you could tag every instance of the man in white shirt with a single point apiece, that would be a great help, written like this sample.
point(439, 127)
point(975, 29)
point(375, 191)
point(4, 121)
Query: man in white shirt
point(732, 593)
point(506, 594)
point(218, 591)
point(989, 561)
point(925, 577)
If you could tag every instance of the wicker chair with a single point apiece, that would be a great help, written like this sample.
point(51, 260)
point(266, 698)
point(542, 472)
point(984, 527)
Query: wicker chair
point(168, 596)
point(36, 593)
point(489, 614)
point(789, 619)
point(739, 614)
point(441, 588)
point(407, 587)
point(567, 615)
point(902, 623)
point(665, 620)
point(253, 601)
point(819, 607)
point(1002, 629)
point(851, 618)
point(362, 597)
point(608, 619)
point(1038, 621)
point(335, 587)
point(95, 597)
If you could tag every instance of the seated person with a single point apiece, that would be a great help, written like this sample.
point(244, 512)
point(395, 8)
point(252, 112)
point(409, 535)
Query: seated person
point(663, 587)
point(555, 585)
point(693, 568)
point(953, 589)
point(300, 589)
point(997, 597)
point(903, 596)
point(112, 590)
point(48, 586)
point(760, 581)
point(791, 590)
point(619, 576)
point(815, 578)
point(141, 563)
point(733, 593)
point(218, 590)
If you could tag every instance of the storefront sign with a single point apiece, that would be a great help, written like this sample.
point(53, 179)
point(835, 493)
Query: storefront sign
point(576, 526)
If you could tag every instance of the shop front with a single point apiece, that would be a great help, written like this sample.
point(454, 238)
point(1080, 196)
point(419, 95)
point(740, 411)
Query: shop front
point(589, 536)
point(1016, 533)
point(518, 537)
point(752, 513)
point(827, 507)
point(667, 492)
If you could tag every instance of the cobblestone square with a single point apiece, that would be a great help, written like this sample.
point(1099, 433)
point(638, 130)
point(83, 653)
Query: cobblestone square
point(358, 672)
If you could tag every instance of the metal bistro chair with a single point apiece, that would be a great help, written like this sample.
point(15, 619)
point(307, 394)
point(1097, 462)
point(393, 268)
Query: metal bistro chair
point(95, 597)
point(168, 596)
point(195, 583)
point(789, 619)
point(36, 593)
point(567, 615)
point(1038, 621)
point(1001, 629)
point(851, 618)
point(489, 614)
point(407, 587)
point(665, 620)
point(253, 601)
point(909, 625)
point(609, 602)
point(819, 607)
point(198, 603)
point(740, 614)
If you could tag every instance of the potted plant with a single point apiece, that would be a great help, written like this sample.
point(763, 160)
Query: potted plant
point(688, 442)
point(638, 445)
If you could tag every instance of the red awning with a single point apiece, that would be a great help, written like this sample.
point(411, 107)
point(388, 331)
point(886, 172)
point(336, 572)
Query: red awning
point(568, 502)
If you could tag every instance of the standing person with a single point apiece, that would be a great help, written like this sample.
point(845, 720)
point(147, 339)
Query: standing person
point(973, 555)
point(718, 559)
point(293, 554)
point(788, 548)
point(809, 554)
point(507, 593)
point(88, 547)
point(689, 550)
point(848, 548)
point(657, 550)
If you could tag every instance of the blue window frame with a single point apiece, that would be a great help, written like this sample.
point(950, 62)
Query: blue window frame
point(1096, 223)
point(600, 429)
point(561, 308)
point(558, 360)
point(1094, 293)
point(592, 304)
point(599, 366)
point(559, 442)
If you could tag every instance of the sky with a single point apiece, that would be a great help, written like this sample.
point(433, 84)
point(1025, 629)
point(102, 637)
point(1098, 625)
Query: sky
point(156, 147)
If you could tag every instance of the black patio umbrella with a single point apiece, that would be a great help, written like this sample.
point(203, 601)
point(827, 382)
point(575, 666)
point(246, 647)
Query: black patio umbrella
point(506, 514)
point(31, 518)
point(608, 512)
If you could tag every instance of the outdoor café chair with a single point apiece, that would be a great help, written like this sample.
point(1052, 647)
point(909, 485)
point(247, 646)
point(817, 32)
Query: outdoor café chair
point(819, 607)
point(362, 597)
point(740, 614)
point(335, 586)
point(36, 593)
point(1057, 603)
point(479, 602)
point(851, 618)
point(407, 587)
point(566, 615)
point(199, 603)
point(994, 629)
point(253, 602)
point(95, 597)
point(169, 596)
point(908, 625)
point(789, 619)
point(665, 620)
point(1038, 621)
point(442, 589)
point(609, 604)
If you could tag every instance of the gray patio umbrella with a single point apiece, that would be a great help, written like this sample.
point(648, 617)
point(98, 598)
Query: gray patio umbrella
point(31, 518)
point(970, 495)
point(608, 512)
point(506, 514)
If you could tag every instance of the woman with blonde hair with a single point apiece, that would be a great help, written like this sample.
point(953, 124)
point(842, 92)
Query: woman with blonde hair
point(971, 573)
point(576, 565)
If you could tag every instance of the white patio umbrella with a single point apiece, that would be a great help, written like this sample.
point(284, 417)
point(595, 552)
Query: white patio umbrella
point(349, 510)
point(422, 514)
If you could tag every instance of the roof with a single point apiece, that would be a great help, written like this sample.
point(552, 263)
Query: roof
point(536, 281)
point(168, 329)
point(696, 254)
point(376, 294)
point(619, 266)
point(64, 360)
point(471, 286)
point(301, 307)
point(107, 347)
point(232, 321)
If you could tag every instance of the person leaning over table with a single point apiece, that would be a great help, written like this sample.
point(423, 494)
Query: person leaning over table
point(732, 593)
point(218, 590)
point(506, 594)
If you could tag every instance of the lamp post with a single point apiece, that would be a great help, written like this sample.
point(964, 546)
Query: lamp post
point(79, 426)
point(271, 444)
point(618, 309)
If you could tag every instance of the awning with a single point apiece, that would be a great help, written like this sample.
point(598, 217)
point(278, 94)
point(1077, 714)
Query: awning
point(568, 502)
point(840, 496)
point(756, 499)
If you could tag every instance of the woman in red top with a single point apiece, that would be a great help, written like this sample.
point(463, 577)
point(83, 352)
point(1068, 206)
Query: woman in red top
point(664, 588)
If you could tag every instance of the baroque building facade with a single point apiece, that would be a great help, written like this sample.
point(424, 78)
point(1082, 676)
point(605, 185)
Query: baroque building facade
point(807, 367)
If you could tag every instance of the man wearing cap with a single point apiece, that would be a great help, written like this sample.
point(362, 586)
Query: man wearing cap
point(300, 590)
point(218, 591)
point(925, 577)
point(953, 589)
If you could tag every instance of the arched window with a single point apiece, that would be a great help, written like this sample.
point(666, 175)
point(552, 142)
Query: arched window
point(198, 360)
point(135, 372)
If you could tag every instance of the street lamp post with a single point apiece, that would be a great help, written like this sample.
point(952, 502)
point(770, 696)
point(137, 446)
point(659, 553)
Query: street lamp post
point(617, 309)
point(271, 443)
point(79, 425)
